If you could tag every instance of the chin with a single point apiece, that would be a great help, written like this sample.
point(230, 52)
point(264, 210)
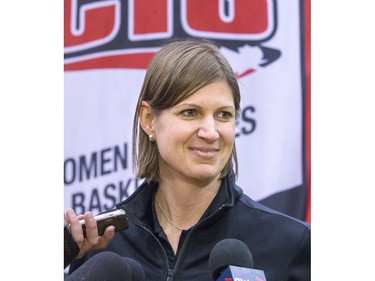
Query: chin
point(205, 174)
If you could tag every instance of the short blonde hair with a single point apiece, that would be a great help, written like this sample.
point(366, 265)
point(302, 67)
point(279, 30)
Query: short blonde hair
point(179, 69)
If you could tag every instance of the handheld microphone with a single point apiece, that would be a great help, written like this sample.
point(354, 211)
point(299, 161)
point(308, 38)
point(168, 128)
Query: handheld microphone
point(108, 266)
point(71, 248)
point(231, 259)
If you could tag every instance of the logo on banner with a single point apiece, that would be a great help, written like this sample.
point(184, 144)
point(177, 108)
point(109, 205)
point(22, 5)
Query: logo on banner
point(125, 34)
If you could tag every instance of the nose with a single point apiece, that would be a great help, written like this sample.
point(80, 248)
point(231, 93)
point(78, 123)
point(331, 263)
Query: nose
point(208, 130)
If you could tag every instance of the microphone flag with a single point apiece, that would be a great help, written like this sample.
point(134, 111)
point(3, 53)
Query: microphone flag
point(237, 273)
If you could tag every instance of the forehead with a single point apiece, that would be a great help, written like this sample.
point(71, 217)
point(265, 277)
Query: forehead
point(217, 92)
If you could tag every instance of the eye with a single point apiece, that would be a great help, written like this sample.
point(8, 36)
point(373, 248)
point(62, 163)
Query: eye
point(189, 113)
point(225, 115)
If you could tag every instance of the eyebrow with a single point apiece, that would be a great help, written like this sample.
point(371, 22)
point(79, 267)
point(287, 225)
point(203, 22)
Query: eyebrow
point(197, 106)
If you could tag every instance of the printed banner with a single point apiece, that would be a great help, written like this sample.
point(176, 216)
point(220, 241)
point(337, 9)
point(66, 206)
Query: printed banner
point(107, 48)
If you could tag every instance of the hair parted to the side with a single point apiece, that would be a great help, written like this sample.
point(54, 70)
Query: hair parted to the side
point(179, 69)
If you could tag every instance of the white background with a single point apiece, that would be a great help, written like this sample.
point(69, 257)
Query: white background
point(31, 121)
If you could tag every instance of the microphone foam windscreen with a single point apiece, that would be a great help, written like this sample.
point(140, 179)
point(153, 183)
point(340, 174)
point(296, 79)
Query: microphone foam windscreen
point(229, 252)
point(102, 266)
point(136, 270)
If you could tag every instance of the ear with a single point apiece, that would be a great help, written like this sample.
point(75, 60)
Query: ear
point(146, 118)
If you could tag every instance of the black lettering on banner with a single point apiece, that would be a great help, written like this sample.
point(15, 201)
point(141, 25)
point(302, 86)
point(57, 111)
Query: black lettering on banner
point(95, 201)
point(95, 164)
point(121, 155)
point(246, 117)
point(99, 200)
point(77, 203)
point(105, 159)
point(86, 169)
point(123, 189)
point(246, 123)
point(112, 198)
point(69, 169)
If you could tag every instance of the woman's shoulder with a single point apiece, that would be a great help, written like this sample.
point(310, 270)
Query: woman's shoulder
point(251, 214)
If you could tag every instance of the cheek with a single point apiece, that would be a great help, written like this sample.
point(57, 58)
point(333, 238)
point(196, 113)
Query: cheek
point(228, 134)
point(171, 148)
point(171, 136)
point(173, 131)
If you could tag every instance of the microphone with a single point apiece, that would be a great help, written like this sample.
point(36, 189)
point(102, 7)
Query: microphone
point(231, 259)
point(71, 248)
point(137, 272)
point(108, 266)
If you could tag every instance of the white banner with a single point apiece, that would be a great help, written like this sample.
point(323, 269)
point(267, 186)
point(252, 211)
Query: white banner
point(104, 70)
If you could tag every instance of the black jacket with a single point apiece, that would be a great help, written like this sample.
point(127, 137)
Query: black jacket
point(279, 244)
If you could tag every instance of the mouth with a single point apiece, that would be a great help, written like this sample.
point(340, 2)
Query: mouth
point(204, 152)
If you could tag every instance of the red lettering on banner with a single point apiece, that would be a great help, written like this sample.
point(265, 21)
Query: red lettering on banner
point(90, 25)
point(228, 19)
point(134, 61)
point(124, 33)
point(150, 19)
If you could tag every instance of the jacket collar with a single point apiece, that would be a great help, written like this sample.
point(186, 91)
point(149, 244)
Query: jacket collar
point(139, 205)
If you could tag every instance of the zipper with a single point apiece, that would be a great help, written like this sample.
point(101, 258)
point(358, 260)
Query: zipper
point(170, 272)
point(183, 246)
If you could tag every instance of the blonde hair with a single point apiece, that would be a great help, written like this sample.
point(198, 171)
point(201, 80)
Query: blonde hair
point(177, 70)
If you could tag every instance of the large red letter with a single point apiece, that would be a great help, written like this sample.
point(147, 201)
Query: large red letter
point(228, 19)
point(150, 19)
point(90, 25)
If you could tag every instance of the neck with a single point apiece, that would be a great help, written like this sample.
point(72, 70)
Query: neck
point(182, 205)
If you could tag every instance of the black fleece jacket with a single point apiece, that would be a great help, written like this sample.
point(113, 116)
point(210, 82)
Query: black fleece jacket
point(280, 245)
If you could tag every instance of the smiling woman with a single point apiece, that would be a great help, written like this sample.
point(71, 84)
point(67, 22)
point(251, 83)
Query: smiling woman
point(184, 148)
point(176, 72)
point(195, 137)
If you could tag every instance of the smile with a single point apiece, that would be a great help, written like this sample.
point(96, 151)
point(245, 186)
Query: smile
point(205, 152)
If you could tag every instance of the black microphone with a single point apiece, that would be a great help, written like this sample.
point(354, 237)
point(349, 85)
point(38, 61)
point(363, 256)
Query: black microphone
point(137, 272)
point(232, 259)
point(108, 266)
point(71, 248)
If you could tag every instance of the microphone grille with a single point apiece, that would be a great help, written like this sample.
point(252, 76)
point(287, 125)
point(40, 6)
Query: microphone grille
point(229, 252)
point(136, 270)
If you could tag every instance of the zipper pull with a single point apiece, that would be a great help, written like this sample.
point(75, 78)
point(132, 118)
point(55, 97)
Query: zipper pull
point(170, 271)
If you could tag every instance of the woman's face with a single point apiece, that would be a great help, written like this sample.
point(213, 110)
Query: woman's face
point(195, 137)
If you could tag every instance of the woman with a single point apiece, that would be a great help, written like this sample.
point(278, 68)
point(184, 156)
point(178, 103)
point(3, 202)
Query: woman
point(184, 148)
